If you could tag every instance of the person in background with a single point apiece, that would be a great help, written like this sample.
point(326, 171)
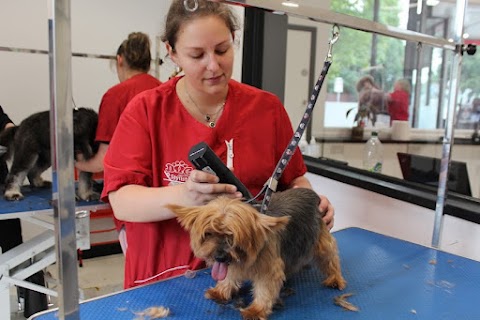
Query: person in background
point(398, 101)
point(133, 64)
point(147, 167)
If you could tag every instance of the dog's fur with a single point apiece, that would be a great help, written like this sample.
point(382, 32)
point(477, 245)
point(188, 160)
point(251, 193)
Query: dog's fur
point(28, 146)
point(370, 95)
point(240, 244)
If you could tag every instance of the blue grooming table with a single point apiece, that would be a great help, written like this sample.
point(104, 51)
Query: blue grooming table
point(38, 200)
point(389, 279)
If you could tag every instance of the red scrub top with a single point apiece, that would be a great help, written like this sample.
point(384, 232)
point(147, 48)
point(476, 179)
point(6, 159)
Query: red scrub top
point(114, 101)
point(150, 148)
point(398, 105)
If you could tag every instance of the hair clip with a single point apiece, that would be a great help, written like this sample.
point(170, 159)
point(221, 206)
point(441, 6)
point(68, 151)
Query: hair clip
point(186, 4)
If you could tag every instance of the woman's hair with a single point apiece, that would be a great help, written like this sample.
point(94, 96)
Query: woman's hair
point(136, 51)
point(178, 15)
point(404, 84)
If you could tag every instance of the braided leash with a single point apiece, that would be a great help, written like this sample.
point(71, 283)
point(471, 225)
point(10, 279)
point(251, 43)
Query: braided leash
point(271, 185)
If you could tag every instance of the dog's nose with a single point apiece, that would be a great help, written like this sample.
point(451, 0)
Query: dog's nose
point(222, 256)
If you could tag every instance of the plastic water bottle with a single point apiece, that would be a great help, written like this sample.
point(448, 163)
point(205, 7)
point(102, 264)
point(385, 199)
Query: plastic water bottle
point(303, 144)
point(373, 154)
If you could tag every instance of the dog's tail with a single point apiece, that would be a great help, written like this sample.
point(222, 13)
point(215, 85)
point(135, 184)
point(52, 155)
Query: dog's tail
point(6, 142)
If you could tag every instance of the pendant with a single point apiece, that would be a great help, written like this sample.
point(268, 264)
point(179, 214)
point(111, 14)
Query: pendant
point(211, 124)
point(207, 118)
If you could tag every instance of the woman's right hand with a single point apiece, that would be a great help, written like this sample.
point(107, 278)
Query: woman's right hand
point(202, 187)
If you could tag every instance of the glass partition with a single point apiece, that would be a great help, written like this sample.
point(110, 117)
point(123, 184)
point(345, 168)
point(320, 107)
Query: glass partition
point(424, 69)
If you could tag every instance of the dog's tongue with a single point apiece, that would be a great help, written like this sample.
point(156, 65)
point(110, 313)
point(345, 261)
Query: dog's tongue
point(219, 271)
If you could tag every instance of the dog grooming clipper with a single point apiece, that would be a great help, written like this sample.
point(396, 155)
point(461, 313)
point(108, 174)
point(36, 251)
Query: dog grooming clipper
point(203, 158)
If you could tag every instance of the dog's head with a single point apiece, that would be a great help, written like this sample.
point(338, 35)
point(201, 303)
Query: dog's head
point(227, 231)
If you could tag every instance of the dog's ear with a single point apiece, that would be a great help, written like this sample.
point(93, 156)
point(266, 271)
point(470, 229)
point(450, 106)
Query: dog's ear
point(185, 215)
point(273, 224)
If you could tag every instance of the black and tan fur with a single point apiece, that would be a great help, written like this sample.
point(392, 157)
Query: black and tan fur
point(233, 236)
point(28, 148)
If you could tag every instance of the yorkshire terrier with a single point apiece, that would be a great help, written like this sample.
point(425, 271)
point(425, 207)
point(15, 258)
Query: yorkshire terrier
point(241, 244)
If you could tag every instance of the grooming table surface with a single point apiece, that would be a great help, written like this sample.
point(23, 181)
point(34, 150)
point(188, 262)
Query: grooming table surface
point(389, 279)
point(38, 200)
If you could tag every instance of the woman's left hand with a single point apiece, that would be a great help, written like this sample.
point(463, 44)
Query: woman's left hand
point(327, 208)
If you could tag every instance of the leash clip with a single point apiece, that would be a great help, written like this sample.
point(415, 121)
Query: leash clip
point(335, 35)
point(272, 184)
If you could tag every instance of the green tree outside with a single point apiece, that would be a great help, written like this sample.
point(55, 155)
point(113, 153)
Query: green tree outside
point(353, 51)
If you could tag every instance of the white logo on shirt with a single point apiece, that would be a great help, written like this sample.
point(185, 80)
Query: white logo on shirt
point(177, 172)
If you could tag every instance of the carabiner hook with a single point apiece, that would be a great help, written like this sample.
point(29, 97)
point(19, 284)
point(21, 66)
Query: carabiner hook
point(335, 35)
point(186, 4)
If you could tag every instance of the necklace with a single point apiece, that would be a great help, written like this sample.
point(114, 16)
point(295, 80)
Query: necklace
point(209, 118)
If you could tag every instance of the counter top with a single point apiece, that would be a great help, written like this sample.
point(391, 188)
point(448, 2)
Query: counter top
point(457, 141)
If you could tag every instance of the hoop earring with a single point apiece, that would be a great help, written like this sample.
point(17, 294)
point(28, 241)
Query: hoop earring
point(186, 4)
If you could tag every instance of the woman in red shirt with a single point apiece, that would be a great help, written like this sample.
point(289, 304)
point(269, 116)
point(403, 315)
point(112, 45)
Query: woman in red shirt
point(147, 167)
point(398, 101)
point(133, 63)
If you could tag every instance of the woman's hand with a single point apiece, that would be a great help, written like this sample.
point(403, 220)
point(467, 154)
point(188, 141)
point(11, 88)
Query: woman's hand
point(202, 187)
point(326, 207)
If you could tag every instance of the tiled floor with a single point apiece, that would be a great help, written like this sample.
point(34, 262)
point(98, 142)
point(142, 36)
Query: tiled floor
point(98, 276)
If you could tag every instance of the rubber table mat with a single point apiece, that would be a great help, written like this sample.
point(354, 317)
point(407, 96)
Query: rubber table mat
point(37, 199)
point(389, 279)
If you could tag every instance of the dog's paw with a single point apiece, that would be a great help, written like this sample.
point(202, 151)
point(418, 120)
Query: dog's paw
point(13, 195)
point(335, 282)
point(253, 313)
point(88, 196)
point(38, 182)
point(216, 295)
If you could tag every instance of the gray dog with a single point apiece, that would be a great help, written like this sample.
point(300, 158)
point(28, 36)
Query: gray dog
point(28, 146)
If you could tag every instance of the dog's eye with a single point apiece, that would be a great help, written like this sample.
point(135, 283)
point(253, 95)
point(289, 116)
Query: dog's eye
point(207, 235)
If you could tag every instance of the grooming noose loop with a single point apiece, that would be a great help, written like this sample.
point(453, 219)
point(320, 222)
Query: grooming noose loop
point(271, 185)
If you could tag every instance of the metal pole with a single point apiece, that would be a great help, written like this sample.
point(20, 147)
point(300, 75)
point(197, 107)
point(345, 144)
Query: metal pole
point(61, 133)
point(343, 20)
point(418, 86)
point(373, 55)
point(449, 124)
